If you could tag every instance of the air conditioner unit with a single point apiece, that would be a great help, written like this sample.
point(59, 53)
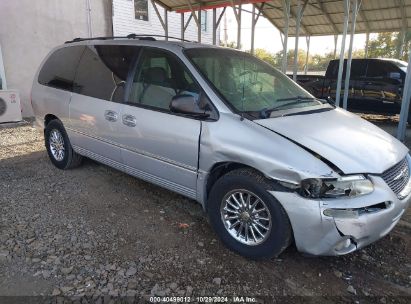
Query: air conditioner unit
point(10, 110)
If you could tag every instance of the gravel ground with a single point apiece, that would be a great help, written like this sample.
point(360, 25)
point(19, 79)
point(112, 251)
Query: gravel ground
point(95, 231)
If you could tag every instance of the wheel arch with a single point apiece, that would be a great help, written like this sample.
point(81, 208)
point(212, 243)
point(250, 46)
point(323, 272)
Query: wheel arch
point(218, 170)
point(263, 185)
point(48, 118)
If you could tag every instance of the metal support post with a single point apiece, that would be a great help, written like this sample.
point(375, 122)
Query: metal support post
point(237, 14)
point(354, 13)
point(166, 23)
point(367, 42)
point(216, 23)
point(182, 26)
point(214, 26)
point(404, 26)
point(254, 19)
point(253, 22)
point(199, 25)
point(299, 16)
point(89, 19)
point(341, 63)
point(286, 8)
point(335, 46)
point(307, 39)
point(400, 43)
point(405, 104)
point(196, 19)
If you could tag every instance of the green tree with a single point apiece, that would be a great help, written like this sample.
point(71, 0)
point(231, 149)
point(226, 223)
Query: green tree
point(383, 46)
point(359, 53)
point(320, 62)
point(229, 44)
point(386, 45)
point(278, 59)
point(266, 56)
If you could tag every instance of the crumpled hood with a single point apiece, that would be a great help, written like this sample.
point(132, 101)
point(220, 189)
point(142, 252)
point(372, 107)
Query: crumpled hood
point(344, 139)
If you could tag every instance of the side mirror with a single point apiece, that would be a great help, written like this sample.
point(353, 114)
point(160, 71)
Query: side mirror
point(395, 75)
point(187, 104)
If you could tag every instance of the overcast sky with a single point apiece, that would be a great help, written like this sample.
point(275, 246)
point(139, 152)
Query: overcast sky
point(268, 37)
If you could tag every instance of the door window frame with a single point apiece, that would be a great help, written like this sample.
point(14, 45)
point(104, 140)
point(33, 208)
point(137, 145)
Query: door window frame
point(132, 72)
point(76, 74)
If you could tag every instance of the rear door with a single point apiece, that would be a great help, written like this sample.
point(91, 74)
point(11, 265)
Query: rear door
point(330, 81)
point(380, 89)
point(358, 69)
point(53, 91)
point(157, 145)
point(356, 100)
point(95, 105)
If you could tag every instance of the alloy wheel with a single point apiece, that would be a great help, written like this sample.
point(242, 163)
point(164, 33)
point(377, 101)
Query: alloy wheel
point(56, 143)
point(246, 217)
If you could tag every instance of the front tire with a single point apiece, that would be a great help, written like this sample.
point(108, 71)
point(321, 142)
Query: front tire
point(58, 146)
point(246, 217)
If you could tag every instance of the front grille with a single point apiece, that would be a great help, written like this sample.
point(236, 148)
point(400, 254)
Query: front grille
point(397, 176)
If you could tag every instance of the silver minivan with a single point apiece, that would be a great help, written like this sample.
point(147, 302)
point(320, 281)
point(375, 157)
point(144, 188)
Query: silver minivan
point(269, 163)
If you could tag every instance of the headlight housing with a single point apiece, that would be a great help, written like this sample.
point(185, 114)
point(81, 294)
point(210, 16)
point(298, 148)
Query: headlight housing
point(350, 186)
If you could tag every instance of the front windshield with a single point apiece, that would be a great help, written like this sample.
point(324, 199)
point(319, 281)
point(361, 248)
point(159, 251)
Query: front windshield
point(248, 84)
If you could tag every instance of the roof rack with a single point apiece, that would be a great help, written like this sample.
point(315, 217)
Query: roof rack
point(130, 36)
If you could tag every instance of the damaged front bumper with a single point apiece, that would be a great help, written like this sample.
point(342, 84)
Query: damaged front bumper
point(342, 225)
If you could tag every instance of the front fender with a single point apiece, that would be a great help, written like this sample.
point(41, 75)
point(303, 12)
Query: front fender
point(231, 139)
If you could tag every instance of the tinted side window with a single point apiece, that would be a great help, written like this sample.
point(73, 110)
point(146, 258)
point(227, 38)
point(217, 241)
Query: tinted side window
point(332, 70)
point(103, 70)
point(159, 77)
point(380, 69)
point(358, 68)
point(60, 68)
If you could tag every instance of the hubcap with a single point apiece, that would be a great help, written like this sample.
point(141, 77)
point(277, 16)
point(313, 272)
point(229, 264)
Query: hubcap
point(56, 143)
point(246, 217)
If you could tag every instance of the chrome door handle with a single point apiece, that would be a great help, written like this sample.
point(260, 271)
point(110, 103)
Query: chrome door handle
point(129, 120)
point(110, 115)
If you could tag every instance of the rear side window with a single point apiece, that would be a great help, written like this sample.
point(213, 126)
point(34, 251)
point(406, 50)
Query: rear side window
point(380, 69)
point(358, 69)
point(103, 70)
point(60, 68)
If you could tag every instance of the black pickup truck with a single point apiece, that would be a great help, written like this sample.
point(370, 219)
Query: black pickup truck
point(376, 85)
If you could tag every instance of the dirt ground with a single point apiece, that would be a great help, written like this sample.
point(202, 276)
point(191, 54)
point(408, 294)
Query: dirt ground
point(95, 231)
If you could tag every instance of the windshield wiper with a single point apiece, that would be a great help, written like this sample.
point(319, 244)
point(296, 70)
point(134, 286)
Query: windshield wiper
point(265, 113)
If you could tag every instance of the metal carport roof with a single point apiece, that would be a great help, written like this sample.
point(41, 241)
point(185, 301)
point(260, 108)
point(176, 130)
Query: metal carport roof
point(180, 6)
point(320, 18)
point(326, 17)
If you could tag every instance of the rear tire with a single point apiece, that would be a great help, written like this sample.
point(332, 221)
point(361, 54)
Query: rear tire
point(242, 188)
point(58, 146)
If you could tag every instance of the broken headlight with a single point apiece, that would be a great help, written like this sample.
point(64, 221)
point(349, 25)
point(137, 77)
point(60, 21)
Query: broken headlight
point(352, 185)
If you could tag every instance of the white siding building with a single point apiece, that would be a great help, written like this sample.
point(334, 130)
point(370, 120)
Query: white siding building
point(30, 29)
point(139, 17)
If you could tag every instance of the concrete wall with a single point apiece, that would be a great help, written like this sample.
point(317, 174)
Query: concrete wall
point(29, 29)
point(124, 22)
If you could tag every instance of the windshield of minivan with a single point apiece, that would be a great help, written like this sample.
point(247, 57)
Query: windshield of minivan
point(247, 83)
